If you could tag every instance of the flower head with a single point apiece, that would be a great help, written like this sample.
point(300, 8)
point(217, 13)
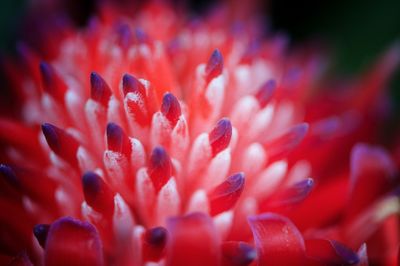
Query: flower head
point(156, 139)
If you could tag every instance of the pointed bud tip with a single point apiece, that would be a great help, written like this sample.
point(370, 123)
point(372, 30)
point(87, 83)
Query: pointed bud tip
point(124, 36)
point(131, 84)
point(156, 236)
point(214, 65)
point(9, 175)
point(47, 74)
point(99, 90)
point(141, 36)
point(171, 108)
point(91, 184)
point(97, 194)
point(160, 168)
point(346, 254)
point(225, 195)
point(40, 231)
point(50, 132)
point(265, 93)
point(45, 68)
point(220, 136)
point(115, 136)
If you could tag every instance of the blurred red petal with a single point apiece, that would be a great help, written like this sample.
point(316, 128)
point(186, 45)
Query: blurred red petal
point(277, 240)
point(72, 242)
point(193, 240)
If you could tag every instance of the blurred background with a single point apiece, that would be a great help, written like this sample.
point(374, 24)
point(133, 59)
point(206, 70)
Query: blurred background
point(356, 30)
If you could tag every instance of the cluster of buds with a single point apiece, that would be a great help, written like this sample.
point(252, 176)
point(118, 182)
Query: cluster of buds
point(156, 140)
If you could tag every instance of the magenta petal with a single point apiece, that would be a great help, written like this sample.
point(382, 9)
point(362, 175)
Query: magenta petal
point(277, 240)
point(72, 242)
point(193, 240)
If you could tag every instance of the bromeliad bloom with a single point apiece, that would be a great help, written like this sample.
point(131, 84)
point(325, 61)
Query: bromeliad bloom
point(153, 140)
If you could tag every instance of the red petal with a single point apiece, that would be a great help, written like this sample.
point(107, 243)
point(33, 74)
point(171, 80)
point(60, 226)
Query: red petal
point(321, 199)
point(21, 259)
point(277, 240)
point(52, 83)
point(193, 241)
point(72, 242)
point(225, 195)
point(372, 173)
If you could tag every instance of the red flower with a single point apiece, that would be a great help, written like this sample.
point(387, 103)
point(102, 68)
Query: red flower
point(192, 143)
